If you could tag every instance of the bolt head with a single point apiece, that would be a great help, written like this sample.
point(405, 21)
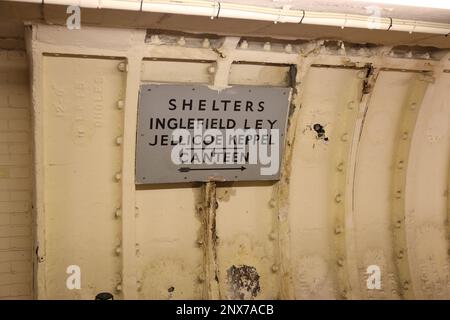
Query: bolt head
point(120, 104)
point(405, 135)
point(206, 43)
point(122, 67)
point(211, 70)
point(405, 285)
point(244, 45)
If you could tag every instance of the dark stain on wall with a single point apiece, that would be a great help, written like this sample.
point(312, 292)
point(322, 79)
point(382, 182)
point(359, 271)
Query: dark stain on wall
point(243, 282)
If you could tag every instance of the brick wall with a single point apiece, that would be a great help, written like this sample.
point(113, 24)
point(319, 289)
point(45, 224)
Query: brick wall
point(15, 177)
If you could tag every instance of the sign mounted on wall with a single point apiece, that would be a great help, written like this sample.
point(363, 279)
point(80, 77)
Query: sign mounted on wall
point(194, 133)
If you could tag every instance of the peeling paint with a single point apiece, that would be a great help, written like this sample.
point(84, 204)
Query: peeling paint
point(243, 282)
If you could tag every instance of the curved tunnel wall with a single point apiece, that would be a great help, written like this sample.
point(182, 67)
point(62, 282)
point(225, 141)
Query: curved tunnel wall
point(371, 190)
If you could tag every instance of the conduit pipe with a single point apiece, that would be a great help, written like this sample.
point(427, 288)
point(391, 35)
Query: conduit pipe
point(217, 9)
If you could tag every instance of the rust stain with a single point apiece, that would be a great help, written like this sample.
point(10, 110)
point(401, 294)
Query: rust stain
point(243, 282)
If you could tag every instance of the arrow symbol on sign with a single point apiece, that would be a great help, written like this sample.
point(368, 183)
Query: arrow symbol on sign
point(187, 169)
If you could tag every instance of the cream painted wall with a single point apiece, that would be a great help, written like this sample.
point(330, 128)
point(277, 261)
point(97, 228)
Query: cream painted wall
point(370, 194)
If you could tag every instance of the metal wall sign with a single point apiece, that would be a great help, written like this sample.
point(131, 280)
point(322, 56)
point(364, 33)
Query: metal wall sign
point(194, 133)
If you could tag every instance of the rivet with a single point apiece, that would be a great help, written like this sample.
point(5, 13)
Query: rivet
point(351, 105)
point(138, 248)
point(405, 285)
point(338, 230)
point(138, 285)
point(398, 194)
point(344, 137)
point(340, 167)
point(118, 176)
point(181, 41)
point(199, 208)
point(413, 106)
point(122, 67)
point(272, 203)
point(154, 39)
point(206, 43)
point(119, 140)
point(118, 213)
point(118, 250)
point(405, 135)
point(274, 268)
point(340, 262)
point(338, 198)
point(200, 241)
point(136, 211)
point(398, 224)
point(120, 104)
point(119, 287)
point(272, 236)
point(400, 254)
point(400, 164)
point(201, 278)
point(267, 46)
point(362, 74)
point(211, 69)
point(288, 48)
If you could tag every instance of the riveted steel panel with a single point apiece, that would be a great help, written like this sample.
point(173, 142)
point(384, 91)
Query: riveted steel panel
point(82, 161)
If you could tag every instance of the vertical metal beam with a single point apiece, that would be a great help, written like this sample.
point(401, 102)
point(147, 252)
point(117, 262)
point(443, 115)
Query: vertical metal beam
point(207, 208)
point(400, 167)
point(224, 61)
point(281, 191)
point(346, 137)
point(445, 63)
point(361, 107)
point(129, 284)
point(211, 289)
point(39, 248)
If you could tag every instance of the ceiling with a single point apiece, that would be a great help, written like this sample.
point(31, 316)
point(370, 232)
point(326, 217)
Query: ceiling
point(14, 14)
